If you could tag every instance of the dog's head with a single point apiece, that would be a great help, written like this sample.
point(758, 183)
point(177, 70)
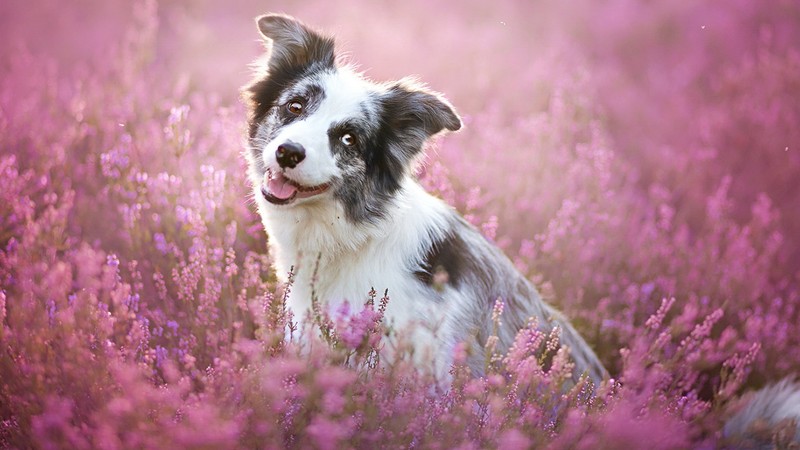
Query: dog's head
point(319, 131)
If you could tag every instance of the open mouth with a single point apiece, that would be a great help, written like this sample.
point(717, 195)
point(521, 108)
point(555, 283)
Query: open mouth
point(279, 190)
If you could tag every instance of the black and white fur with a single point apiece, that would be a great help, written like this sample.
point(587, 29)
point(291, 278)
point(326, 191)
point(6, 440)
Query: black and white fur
point(350, 201)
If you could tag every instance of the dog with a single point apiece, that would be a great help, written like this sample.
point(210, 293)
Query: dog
point(331, 157)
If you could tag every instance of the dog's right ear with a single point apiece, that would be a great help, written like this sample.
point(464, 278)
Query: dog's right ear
point(293, 44)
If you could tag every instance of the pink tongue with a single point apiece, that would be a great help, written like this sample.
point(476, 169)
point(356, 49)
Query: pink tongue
point(280, 187)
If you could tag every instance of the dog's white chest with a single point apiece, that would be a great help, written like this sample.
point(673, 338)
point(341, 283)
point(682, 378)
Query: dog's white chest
point(351, 280)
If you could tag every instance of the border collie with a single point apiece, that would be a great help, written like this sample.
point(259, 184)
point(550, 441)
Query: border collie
point(331, 156)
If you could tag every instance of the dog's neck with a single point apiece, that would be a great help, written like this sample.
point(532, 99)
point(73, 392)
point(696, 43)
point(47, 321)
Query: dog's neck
point(320, 231)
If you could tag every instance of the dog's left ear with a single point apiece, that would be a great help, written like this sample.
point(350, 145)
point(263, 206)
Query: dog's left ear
point(411, 107)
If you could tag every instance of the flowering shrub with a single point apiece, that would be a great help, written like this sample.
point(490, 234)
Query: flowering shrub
point(637, 161)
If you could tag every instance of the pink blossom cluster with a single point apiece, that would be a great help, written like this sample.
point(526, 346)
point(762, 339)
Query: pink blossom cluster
point(638, 161)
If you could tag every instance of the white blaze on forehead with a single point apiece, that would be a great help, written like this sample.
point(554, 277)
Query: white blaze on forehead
point(345, 96)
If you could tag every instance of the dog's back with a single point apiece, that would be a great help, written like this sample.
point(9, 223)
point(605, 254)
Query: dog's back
point(477, 271)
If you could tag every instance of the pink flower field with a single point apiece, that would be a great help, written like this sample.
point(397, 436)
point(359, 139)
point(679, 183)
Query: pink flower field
point(638, 160)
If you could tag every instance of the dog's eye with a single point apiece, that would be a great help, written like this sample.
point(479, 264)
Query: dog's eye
point(295, 106)
point(348, 139)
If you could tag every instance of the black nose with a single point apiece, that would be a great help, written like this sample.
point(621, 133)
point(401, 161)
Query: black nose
point(290, 154)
